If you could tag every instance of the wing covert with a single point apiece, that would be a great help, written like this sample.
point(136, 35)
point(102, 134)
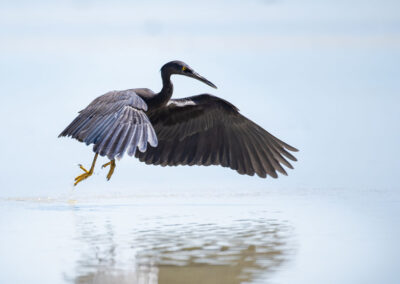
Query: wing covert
point(207, 130)
point(115, 123)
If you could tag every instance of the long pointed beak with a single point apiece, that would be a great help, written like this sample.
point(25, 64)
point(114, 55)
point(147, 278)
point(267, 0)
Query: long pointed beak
point(202, 79)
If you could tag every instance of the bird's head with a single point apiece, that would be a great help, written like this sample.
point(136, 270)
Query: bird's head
point(181, 68)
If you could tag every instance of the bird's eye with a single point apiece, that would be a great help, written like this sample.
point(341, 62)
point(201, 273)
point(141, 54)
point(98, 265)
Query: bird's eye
point(186, 70)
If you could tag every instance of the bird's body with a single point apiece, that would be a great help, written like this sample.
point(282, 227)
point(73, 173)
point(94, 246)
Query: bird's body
point(198, 130)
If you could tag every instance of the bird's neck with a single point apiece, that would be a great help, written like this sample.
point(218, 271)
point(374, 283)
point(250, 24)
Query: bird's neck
point(165, 94)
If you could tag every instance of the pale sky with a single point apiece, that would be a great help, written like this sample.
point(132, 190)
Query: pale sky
point(322, 76)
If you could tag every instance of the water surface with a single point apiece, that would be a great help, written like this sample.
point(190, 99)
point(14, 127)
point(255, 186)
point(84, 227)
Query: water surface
point(209, 237)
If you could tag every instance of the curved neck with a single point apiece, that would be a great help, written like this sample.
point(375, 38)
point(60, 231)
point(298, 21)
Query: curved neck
point(165, 94)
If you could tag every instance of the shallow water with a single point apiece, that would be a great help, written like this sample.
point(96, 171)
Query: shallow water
point(151, 242)
point(237, 237)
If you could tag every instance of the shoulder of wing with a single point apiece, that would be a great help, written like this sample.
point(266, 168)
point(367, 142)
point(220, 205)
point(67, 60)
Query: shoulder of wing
point(203, 100)
point(115, 100)
point(202, 108)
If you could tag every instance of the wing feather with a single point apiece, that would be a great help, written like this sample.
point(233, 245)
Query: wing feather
point(206, 130)
point(115, 122)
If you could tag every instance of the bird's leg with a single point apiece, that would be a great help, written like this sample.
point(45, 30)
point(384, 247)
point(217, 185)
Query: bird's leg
point(112, 167)
point(87, 173)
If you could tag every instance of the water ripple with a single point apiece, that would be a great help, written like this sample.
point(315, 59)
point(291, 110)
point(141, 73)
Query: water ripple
point(193, 251)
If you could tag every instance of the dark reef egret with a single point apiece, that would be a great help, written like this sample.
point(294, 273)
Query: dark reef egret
point(199, 130)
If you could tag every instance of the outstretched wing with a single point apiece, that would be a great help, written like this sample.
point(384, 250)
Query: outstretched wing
point(206, 130)
point(115, 123)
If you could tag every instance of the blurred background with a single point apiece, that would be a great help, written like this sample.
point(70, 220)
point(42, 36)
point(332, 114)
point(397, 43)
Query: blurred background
point(322, 76)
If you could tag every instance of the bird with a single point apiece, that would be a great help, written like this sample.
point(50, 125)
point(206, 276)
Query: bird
point(197, 130)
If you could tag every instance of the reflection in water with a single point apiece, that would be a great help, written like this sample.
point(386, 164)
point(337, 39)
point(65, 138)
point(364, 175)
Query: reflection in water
point(189, 252)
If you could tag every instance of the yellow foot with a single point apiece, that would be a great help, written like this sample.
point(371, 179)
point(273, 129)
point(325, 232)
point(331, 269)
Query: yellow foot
point(87, 173)
point(112, 167)
point(83, 176)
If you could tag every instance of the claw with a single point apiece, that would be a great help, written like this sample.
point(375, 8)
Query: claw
point(81, 177)
point(106, 164)
point(112, 167)
point(85, 170)
point(87, 173)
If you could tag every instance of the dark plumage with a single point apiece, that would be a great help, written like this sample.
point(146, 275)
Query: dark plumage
point(114, 122)
point(198, 130)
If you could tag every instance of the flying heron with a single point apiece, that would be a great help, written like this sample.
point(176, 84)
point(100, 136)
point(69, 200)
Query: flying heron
point(199, 130)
